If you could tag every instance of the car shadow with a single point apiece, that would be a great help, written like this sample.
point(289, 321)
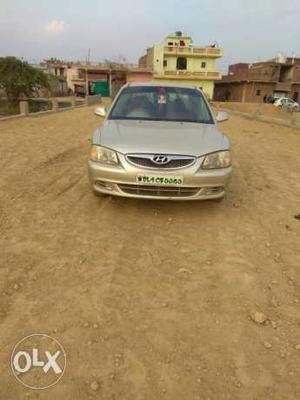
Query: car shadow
point(168, 206)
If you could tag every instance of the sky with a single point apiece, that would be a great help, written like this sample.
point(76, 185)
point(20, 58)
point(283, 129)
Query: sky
point(248, 30)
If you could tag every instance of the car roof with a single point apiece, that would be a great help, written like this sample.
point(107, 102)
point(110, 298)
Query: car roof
point(162, 84)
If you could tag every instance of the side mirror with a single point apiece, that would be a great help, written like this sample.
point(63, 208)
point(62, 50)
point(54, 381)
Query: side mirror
point(222, 116)
point(100, 111)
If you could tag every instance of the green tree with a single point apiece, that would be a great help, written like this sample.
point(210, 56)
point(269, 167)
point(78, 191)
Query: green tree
point(18, 78)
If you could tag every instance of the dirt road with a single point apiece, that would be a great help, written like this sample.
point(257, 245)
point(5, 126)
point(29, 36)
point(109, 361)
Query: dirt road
point(151, 300)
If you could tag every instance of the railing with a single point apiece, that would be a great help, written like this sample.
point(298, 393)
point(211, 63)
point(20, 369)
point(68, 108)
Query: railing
point(189, 74)
point(195, 51)
point(52, 105)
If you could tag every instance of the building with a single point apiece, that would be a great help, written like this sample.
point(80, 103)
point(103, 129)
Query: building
point(275, 78)
point(177, 59)
point(81, 78)
point(101, 79)
point(58, 69)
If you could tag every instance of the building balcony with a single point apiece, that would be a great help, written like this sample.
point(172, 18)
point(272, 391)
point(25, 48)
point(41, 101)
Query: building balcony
point(213, 52)
point(184, 74)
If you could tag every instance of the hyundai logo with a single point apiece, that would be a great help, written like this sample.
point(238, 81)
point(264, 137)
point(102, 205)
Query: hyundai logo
point(160, 159)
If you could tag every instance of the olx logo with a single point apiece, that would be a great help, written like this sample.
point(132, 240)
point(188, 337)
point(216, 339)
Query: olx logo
point(38, 361)
point(34, 361)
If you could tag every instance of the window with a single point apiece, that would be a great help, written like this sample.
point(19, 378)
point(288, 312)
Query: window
point(170, 43)
point(258, 93)
point(203, 64)
point(181, 63)
point(161, 103)
point(165, 63)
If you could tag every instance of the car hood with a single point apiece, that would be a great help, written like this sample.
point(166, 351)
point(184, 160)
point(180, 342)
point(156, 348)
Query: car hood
point(160, 137)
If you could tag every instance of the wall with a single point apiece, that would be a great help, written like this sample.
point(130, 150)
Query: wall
point(243, 91)
point(264, 71)
point(175, 40)
point(266, 89)
point(143, 61)
point(231, 92)
point(150, 58)
point(139, 76)
point(295, 89)
point(27, 108)
point(296, 73)
point(258, 71)
point(262, 112)
point(240, 70)
point(193, 63)
point(207, 86)
point(270, 71)
point(98, 76)
point(71, 73)
point(158, 58)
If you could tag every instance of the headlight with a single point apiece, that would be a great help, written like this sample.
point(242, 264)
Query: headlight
point(104, 155)
point(220, 159)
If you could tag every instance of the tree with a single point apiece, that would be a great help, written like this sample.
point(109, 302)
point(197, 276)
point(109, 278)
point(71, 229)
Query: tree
point(18, 78)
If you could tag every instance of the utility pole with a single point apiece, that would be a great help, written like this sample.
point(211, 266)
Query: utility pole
point(86, 82)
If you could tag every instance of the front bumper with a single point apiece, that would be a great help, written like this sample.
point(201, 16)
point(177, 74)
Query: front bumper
point(198, 184)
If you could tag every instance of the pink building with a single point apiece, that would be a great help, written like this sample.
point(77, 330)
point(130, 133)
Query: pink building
point(138, 75)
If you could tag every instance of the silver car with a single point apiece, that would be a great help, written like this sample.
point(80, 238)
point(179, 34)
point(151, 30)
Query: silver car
point(160, 141)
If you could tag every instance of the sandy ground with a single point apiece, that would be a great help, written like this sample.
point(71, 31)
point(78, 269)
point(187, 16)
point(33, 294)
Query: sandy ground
point(151, 300)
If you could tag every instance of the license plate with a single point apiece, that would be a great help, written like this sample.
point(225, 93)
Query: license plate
point(159, 180)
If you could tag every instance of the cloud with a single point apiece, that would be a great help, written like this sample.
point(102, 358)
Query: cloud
point(56, 26)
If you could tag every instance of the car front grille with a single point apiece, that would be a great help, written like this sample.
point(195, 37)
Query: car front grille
point(145, 161)
point(159, 191)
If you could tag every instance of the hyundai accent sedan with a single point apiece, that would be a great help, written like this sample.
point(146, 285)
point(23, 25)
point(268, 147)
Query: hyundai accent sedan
point(160, 142)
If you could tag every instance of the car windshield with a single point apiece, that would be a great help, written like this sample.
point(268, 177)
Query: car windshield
point(161, 103)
